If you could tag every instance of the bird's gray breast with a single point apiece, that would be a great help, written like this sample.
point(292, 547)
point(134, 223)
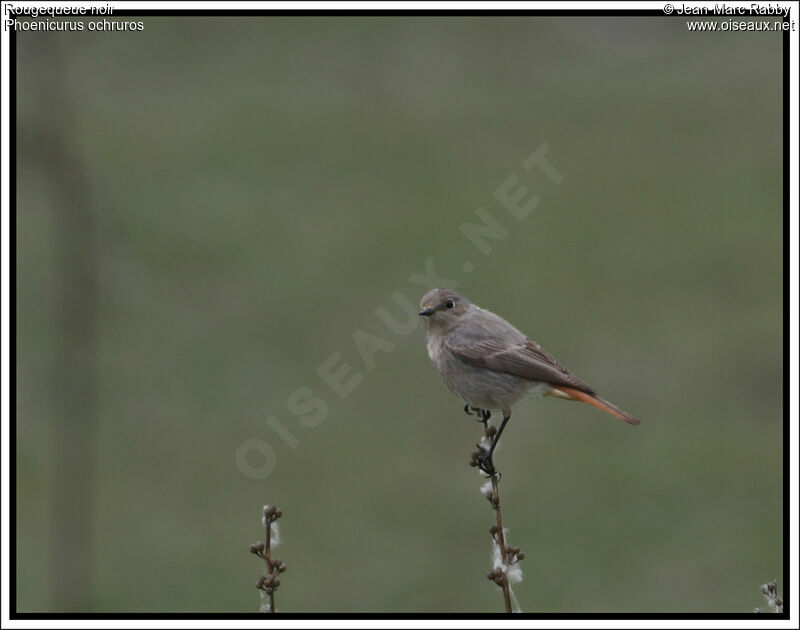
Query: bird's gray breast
point(475, 385)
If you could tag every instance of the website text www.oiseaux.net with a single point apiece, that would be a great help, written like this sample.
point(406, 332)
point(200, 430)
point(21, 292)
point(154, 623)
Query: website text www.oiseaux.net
point(739, 25)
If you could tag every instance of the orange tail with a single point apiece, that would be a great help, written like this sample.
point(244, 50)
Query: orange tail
point(595, 401)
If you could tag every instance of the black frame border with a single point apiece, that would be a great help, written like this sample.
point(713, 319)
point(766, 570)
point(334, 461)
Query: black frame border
point(14, 614)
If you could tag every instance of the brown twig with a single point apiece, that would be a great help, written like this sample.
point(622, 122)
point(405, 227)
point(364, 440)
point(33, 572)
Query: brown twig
point(508, 556)
point(269, 583)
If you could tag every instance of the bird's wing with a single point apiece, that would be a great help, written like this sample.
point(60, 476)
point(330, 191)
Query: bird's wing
point(525, 359)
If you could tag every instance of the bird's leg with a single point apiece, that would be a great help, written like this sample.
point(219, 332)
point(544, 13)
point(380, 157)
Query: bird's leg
point(484, 458)
point(496, 439)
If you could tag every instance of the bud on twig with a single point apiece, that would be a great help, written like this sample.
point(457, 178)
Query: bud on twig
point(257, 548)
point(269, 583)
point(504, 558)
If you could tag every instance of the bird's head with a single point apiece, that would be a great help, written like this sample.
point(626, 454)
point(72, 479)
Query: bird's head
point(443, 308)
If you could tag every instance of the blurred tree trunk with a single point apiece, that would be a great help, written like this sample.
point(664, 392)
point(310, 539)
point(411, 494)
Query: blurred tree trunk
point(49, 139)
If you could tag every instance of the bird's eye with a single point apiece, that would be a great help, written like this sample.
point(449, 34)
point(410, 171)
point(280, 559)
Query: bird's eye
point(450, 304)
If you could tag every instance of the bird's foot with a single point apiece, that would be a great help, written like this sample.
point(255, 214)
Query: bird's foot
point(474, 411)
point(483, 460)
point(482, 415)
point(486, 464)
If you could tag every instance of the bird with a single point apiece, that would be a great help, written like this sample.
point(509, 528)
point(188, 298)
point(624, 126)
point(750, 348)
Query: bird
point(491, 365)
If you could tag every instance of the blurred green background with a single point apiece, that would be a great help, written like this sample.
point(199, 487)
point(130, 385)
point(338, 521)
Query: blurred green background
point(208, 209)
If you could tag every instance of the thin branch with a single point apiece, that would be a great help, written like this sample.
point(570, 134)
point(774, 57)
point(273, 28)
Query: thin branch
point(505, 559)
point(269, 583)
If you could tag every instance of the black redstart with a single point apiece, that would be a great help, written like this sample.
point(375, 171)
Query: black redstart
point(489, 364)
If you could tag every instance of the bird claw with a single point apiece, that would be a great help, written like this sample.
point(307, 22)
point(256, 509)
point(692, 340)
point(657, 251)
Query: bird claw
point(485, 462)
point(482, 458)
point(481, 414)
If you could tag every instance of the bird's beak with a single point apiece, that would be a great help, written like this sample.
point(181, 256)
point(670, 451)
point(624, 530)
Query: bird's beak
point(427, 312)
